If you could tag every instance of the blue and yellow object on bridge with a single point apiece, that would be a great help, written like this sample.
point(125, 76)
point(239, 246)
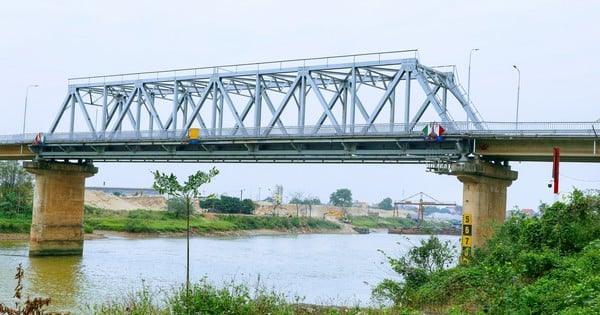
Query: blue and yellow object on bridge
point(194, 135)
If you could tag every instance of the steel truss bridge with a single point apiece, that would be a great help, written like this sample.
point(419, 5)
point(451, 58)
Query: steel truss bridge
point(342, 109)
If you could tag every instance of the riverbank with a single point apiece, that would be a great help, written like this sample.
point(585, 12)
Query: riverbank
point(100, 234)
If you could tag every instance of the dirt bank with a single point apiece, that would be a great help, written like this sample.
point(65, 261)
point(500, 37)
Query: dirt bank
point(100, 199)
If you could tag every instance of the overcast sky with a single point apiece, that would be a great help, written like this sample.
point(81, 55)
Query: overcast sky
point(555, 44)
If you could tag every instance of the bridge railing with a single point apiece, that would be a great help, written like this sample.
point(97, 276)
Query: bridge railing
point(521, 129)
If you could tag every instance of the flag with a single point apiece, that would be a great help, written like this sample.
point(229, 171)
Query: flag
point(426, 130)
point(440, 130)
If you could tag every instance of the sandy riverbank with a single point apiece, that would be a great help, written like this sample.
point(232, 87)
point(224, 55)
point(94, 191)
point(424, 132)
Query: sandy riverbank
point(100, 234)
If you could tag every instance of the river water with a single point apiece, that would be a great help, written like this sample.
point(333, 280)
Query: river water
point(322, 268)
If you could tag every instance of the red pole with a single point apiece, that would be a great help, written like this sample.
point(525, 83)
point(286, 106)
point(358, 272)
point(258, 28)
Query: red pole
point(555, 163)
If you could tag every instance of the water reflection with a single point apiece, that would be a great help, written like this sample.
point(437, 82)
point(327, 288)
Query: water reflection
point(55, 277)
point(323, 268)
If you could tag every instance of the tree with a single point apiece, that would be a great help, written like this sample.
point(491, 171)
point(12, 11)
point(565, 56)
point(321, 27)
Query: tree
point(341, 198)
point(297, 201)
point(226, 204)
point(188, 191)
point(415, 267)
point(16, 188)
point(177, 206)
point(386, 204)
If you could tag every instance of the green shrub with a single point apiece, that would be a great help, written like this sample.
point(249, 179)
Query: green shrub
point(546, 265)
point(415, 267)
point(137, 226)
point(15, 226)
point(88, 228)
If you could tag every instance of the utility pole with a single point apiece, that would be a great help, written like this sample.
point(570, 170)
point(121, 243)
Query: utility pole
point(469, 84)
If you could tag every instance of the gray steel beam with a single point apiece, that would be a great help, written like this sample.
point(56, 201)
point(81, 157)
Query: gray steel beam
point(348, 79)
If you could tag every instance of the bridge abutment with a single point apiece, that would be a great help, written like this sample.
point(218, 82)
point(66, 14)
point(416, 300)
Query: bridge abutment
point(57, 222)
point(484, 199)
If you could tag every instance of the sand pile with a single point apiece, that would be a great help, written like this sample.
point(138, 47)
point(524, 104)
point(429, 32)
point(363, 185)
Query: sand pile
point(103, 200)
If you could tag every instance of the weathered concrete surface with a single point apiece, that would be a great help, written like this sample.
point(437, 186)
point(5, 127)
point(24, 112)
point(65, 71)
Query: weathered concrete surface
point(57, 222)
point(484, 198)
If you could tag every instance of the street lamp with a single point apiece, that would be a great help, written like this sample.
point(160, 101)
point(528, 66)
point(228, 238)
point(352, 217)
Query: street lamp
point(25, 110)
point(518, 93)
point(469, 84)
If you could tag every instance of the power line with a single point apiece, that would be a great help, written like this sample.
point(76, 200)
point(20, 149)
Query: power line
point(581, 180)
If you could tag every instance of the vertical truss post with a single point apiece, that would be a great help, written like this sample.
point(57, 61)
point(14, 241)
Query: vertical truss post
point(138, 114)
point(392, 109)
point(150, 100)
point(184, 110)
point(302, 102)
point(72, 118)
point(221, 110)
point(407, 102)
point(104, 109)
point(353, 99)
point(344, 102)
point(445, 99)
point(175, 104)
point(258, 91)
point(213, 124)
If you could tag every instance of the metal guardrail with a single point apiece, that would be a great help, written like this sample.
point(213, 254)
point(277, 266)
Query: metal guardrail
point(501, 129)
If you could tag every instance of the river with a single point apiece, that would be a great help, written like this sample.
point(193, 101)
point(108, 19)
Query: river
point(323, 268)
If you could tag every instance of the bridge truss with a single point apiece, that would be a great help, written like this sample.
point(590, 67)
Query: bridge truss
point(297, 106)
point(230, 100)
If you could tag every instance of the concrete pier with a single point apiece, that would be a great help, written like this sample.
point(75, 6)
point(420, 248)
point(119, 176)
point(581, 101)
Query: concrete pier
point(57, 222)
point(484, 199)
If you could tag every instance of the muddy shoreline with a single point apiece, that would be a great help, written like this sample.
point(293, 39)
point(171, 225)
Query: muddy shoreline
point(101, 234)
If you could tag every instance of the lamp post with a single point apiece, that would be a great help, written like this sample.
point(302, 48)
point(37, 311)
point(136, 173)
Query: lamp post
point(25, 109)
point(518, 93)
point(469, 83)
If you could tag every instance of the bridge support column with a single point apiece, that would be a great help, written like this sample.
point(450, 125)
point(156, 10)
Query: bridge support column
point(57, 222)
point(484, 199)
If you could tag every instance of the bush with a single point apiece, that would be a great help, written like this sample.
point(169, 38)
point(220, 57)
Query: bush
point(15, 226)
point(177, 206)
point(546, 265)
point(419, 263)
point(226, 204)
point(137, 226)
point(87, 228)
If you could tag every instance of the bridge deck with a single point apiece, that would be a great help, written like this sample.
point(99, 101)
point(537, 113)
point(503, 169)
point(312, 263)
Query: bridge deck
point(383, 144)
point(15, 152)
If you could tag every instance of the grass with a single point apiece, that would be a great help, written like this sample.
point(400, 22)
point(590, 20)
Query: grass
point(15, 223)
point(229, 298)
point(149, 221)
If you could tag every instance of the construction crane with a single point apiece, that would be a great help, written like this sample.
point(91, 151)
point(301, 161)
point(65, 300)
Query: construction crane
point(421, 204)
